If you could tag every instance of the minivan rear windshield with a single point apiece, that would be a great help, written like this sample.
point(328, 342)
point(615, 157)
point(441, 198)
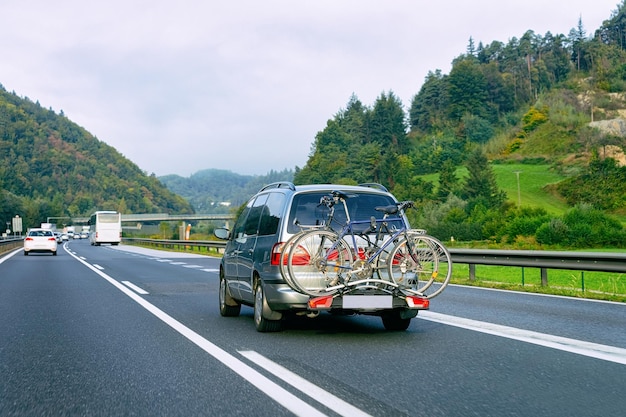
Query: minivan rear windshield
point(307, 211)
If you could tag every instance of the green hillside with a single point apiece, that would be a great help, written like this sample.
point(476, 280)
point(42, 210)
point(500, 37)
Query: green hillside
point(527, 106)
point(209, 189)
point(534, 181)
point(51, 167)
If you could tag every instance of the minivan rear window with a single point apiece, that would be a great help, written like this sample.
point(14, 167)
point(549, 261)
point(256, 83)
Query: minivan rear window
point(307, 211)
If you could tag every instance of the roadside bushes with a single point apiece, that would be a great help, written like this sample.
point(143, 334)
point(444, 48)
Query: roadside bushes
point(582, 227)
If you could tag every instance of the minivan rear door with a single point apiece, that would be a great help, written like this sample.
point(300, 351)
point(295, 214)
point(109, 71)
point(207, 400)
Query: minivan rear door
point(246, 245)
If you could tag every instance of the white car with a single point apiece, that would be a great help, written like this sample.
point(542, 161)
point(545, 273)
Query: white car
point(40, 240)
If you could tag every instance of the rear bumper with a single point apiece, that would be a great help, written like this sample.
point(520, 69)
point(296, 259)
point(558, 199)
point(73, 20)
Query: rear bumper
point(281, 297)
point(40, 249)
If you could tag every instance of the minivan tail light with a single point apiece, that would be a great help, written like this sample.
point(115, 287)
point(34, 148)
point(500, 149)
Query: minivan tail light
point(415, 301)
point(299, 257)
point(323, 302)
point(277, 250)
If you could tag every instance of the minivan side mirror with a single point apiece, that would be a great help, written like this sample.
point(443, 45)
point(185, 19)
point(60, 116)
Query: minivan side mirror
point(222, 233)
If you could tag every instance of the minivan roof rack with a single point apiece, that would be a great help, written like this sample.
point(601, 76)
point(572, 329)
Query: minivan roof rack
point(280, 184)
point(374, 185)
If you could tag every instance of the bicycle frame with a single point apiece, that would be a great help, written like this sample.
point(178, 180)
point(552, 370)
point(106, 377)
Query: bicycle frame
point(348, 230)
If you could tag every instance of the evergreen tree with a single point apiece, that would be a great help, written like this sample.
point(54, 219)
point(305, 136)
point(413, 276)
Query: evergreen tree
point(428, 111)
point(467, 90)
point(480, 186)
point(448, 182)
point(387, 124)
point(577, 38)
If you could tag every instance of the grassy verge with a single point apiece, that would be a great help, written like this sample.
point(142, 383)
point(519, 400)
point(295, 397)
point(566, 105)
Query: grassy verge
point(585, 284)
point(179, 248)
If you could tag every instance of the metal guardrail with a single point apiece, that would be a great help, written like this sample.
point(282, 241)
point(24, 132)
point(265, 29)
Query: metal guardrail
point(544, 260)
point(587, 261)
point(192, 245)
point(10, 244)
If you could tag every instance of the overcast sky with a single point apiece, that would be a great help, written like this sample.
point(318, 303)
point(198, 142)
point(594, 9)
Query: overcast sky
point(244, 85)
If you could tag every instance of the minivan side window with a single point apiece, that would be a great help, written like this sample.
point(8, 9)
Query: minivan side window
point(271, 215)
point(251, 226)
point(238, 230)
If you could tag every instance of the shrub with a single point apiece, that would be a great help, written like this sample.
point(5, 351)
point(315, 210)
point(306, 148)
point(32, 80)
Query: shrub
point(553, 232)
point(533, 118)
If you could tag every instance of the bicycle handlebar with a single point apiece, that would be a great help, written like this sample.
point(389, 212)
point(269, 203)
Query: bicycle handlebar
point(405, 204)
point(327, 201)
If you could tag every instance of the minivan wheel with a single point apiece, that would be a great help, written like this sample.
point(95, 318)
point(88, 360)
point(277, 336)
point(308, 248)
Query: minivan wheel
point(261, 323)
point(228, 306)
point(393, 321)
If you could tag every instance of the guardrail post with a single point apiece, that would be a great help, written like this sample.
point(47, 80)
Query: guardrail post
point(472, 272)
point(582, 280)
point(544, 277)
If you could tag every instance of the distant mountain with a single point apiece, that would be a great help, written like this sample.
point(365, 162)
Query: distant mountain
point(51, 167)
point(216, 191)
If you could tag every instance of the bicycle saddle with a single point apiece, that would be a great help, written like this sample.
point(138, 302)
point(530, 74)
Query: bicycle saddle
point(387, 209)
point(339, 194)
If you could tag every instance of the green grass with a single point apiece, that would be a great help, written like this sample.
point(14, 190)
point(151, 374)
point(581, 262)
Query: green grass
point(532, 182)
point(587, 284)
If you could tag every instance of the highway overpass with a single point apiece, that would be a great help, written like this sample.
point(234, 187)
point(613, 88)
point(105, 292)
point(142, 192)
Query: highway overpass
point(161, 217)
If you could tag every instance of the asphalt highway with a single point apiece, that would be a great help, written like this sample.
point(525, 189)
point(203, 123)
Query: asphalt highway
point(112, 331)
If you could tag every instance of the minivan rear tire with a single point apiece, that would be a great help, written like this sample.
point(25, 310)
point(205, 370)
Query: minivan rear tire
point(394, 322)
point(229, 307)
point(261, 323)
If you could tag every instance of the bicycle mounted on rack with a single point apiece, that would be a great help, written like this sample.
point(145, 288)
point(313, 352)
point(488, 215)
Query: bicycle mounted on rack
point(365, 257)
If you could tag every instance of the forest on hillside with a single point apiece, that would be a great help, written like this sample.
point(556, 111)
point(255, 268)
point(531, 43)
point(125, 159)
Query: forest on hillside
point(218, 191)
point(529, 100)
point(51, 167)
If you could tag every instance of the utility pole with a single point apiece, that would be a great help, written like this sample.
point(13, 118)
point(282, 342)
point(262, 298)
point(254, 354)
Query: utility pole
point(519, 194)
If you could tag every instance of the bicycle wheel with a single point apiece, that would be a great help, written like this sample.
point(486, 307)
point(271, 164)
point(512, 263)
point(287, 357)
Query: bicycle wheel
point(284, 257)
point(421, 263)
point(317, 260)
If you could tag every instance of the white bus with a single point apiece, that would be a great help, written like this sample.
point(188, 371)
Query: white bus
point(105, 227)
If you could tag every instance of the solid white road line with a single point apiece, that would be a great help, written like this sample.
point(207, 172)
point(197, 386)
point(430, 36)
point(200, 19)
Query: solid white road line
point(135, 288)
point(4, 258)
point(323, 397)
point(593, 350)
point(261, 382)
